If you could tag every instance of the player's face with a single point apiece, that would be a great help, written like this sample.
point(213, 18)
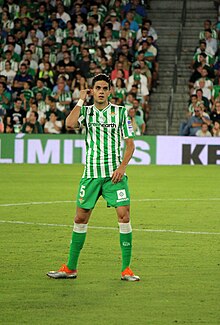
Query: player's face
point(101, 92)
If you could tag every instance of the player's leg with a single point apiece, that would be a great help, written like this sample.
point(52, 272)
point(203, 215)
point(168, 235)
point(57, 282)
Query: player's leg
point(125, 231)
point(78, 236)
point(88, 194)
point(123, 213)
point(117, 195)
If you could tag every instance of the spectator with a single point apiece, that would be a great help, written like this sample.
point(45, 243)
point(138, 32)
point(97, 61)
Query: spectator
point(20, 77)
point(62, 96)
point(27, 95)
point(2, 127)
point(120, 91)
point(136, 6)
point(130, 18)
point(194, 103)
point(83, 64)
point(9, 73)
point(216, 129)
point(8, 57)
point(203, 99)
point(80, 27)
point(32, 125)
point(215, 114)
point(76, 88)
point(61, 14)
point(119, 68)
point(91, 37)
point(204, 132)
point(51, 101)
point(47, 74)
point(7, 23)
point(41, 114)
point(195, 122)
point(208, 25)
point(16, 116)
point(147, 23)
point(40, 87)
point(53, 126)
point(211, 43)
point(5, 98)
point(28, 56)
point(137, 122)
point(206, 86)
point(114, 21)
point(141, 81)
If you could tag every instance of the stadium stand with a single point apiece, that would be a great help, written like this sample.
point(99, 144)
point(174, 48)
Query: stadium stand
point(50, 50)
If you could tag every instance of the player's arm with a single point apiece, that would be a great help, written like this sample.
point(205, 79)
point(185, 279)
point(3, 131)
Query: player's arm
point(72, 118)
point(129, 150)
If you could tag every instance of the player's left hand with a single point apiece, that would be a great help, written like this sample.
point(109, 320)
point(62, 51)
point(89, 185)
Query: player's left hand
point(118, 174)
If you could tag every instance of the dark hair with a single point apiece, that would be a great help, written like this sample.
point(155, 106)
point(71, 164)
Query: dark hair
point(101, 76)
point(52, 99)
point(36, 114)
point(3, 84)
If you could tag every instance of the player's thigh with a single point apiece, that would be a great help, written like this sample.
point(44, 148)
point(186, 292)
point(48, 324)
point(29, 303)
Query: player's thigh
point(82, 215)
point(88, 192)
point(116, 194)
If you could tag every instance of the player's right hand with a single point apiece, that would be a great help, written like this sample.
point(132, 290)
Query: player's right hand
point(83, 93)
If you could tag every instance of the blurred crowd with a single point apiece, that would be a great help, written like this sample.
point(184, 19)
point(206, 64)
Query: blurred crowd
point(51, 49)
point(203, 112)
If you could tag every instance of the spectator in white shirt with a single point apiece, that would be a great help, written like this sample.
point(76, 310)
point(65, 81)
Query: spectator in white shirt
point(53, 126)
point(61, 14)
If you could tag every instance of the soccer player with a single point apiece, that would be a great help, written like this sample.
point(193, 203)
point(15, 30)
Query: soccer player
point(104, 172)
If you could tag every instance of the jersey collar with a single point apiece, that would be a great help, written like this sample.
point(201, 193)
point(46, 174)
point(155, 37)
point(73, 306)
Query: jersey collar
point(102, 110)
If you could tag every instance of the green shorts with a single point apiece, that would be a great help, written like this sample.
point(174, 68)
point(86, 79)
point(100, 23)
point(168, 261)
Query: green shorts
point(90, 189)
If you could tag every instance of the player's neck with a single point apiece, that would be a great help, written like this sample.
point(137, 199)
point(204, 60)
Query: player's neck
point(100, 107)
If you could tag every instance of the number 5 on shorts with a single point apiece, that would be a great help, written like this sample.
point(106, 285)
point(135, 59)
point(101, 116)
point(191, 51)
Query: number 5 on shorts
point(82, 191)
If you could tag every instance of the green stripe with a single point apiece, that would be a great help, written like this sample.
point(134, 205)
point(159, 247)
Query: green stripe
point(98, 143)
point(113, 134)
point(106, 148)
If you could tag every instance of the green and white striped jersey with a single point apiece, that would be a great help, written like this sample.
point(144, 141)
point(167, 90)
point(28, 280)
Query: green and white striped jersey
point(104, 132)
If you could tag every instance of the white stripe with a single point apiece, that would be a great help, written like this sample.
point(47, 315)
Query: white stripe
point(102, 148)
point(134, 200)
point(95, 150)
point(110, 166)
point(117, 121)
point(112, 228)
point(88, 139)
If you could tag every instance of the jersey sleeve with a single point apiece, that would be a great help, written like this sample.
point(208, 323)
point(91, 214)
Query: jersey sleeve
point(82, 115)
point(127, 129)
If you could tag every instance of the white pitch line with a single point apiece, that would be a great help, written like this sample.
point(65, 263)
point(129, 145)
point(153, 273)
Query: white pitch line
point(112, 228)
point(133, 200)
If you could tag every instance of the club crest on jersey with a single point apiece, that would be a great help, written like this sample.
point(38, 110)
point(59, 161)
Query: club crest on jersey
point(101, 119)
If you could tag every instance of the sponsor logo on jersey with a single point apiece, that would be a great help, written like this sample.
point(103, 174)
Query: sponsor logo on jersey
point(104, 125)
point(122, 196)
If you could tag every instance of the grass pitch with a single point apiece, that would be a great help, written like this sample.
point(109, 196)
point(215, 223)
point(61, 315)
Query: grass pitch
point(176, 221)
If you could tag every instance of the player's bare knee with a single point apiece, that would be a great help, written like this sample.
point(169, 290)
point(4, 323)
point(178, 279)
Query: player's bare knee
point(82, 215)
point(80, 219)
point(123, 214)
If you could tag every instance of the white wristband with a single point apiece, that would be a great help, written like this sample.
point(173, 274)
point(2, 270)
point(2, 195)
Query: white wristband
point(80, 103)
